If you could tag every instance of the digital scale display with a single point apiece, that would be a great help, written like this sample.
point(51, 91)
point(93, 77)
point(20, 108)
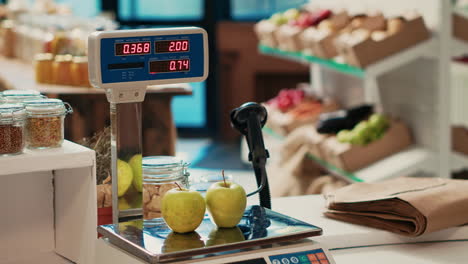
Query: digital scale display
point(171, 46)
point(135, 48)
point(169, 66)
point(129, 58)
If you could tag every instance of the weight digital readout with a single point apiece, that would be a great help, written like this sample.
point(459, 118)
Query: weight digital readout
point(169, 66)
point(171, 46)
point(133, 48)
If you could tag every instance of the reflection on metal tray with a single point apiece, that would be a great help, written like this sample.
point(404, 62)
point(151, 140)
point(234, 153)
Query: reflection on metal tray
point(153, 241)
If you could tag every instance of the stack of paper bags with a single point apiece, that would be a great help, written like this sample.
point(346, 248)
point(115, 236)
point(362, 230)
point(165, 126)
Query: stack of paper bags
point(406, 206)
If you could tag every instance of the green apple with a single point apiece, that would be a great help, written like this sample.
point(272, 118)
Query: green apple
point(125, 176)
point(178, 242)
point(378, 122)
point(226, 203)
point(278, 19)
point(220, 236)
point(183, 210)
point(135, 163)
point(291, 14)
point(344, 136)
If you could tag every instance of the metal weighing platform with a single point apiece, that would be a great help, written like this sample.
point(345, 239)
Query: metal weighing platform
point(262, 236)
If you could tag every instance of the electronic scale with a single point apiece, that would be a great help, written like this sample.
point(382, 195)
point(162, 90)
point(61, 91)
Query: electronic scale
point(124, 63)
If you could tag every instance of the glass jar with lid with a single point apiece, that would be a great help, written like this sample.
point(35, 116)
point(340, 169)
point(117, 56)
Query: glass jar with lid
point(45, 123)
point(160, 174)
point(12, 118)
point(19, 96)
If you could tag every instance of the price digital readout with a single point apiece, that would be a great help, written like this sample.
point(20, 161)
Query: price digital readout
point(133, 48)
point(171, 46)
point(182, 65)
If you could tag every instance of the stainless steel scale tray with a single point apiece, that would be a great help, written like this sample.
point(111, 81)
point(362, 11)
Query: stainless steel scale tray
point(154, 242)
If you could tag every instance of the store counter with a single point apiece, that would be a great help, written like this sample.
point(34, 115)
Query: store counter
point(350, 243)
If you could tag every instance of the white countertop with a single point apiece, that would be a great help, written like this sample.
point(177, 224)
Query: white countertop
point(358, 244)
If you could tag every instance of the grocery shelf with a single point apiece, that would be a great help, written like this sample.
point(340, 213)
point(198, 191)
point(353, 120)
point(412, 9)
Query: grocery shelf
point(307, 59)
point(70, 155)
point(20, 75)
point(403, 57)
point(459, 47)
point(459, 160)
point(402, 163)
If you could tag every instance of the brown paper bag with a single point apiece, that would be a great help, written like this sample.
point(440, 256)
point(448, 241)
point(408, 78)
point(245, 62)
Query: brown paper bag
point(406, 206)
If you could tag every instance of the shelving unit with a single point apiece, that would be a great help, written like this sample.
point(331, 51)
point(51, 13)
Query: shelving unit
point(49, 198)
point(405, 162)
point(390, 84)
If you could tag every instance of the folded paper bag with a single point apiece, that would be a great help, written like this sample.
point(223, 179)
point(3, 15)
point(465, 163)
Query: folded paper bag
point(407, 206)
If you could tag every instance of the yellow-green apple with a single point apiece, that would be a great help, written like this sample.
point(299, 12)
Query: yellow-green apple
point(177, 242)
point(226, 203)
point(183, 210)
point(135, 163)
point(125, 177)
point(220, 236)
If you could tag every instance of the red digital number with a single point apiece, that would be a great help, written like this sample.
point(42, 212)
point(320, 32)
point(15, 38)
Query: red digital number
point(185, 45)
point(172, 66)
point(172, 46)
point(146, 47)
point(126, 48)
point(133, 48)
point(139, 47)
point(186, 64)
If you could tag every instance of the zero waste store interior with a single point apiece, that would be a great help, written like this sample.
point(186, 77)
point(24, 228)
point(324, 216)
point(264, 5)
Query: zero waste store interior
point(236, 131)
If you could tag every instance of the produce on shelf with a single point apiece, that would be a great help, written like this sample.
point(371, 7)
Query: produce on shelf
point(351, 157)
point(292, 108)
point(320, 40)
point(334, 122)
point(284, 29)
point(365, 132)
point(359, 39)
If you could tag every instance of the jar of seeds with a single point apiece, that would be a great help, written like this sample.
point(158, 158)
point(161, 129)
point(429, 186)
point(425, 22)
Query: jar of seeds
point(45, 123)
point(12, 118)
point(160, 174)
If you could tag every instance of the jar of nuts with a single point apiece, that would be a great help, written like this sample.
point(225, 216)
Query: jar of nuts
point(45, 123)
point(160, 174)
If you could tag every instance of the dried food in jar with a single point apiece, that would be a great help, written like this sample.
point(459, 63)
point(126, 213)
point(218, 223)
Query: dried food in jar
point(44, 132)
point(152, 197)
point(11, 139)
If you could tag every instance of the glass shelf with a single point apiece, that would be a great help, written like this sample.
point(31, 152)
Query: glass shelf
point(300, 57)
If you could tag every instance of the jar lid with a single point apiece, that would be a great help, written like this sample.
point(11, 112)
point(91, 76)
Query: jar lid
point(44, 57)
point(162, 165)
point(18, 96)
point(10, 112)
point(80, 59)
point(47, 106)
point(63, 58)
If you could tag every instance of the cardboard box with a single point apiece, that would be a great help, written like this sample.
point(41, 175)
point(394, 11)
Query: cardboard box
point(288, 38)
point(321, 43)
point(266, 33)
point(460, 139)
point(353, 157)
point(369, 51)
point(460, 27)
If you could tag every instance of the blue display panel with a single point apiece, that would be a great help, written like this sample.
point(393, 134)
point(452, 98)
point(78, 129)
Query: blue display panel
point(316, 256)
point(116, 66)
